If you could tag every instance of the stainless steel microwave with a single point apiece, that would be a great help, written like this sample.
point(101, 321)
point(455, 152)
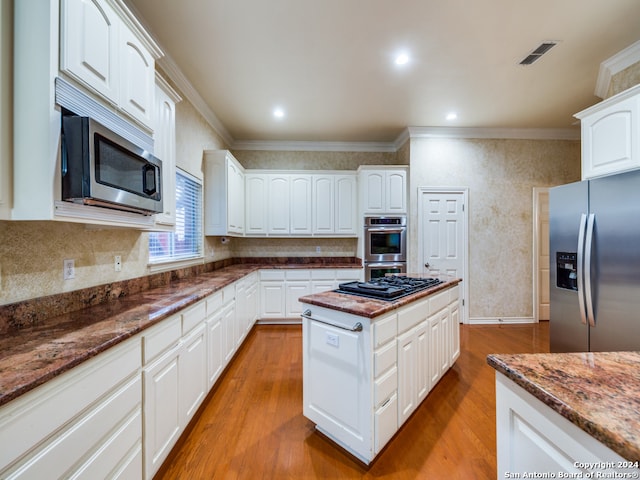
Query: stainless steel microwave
point(101, 168)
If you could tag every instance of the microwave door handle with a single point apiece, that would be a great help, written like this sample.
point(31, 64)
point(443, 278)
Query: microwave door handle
point(149, 184)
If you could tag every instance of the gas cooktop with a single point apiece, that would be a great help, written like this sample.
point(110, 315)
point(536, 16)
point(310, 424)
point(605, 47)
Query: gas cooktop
point(388, 288)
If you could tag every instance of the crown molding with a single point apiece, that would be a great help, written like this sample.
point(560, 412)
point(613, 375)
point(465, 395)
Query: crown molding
point(503, 133)
point(621, 60)
point(290, 146)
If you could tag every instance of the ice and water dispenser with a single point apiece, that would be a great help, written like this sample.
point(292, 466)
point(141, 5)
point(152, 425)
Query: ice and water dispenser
point(567, 270)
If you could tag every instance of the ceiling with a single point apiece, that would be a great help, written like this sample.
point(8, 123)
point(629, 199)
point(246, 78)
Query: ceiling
point(329, 64)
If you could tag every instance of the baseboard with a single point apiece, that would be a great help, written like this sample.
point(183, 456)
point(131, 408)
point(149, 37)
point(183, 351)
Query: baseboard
point(500, 320)
point(279, 321)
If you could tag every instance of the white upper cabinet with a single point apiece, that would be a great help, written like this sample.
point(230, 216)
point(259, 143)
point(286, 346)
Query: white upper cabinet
point(289, 204)
point(89, 46)
point(278, 204)
point(300, 222)
point(164, 137)
point(223, 194)
point(611, 135)
point(335, 204)
point(101, 52)
point(256, 220)
point(346, 205)
point(383, 190)
point(137, 68)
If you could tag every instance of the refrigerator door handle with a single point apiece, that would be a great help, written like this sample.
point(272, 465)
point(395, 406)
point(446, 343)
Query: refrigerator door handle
point(588, 244)
point(580, 269)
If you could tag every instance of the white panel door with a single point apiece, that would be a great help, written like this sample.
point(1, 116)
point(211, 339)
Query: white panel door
point(443, 224)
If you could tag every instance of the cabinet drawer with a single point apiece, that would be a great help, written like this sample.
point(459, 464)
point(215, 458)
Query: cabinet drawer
point(384, 359)
point(275, 275)
point(438, 301)
point(298, 274)
point(385, 386)
point(384, 330)
point(84, 438)
point(385, 423)
point(323, 274)
point(28, 419)
point(160, 337)
point(214, 303)
point(414, 314)
point(193, 316)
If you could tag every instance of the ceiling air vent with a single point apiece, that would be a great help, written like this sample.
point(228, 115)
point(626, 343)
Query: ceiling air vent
point(537, 53)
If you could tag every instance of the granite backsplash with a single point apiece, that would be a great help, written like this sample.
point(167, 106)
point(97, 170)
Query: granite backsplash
point(36, 311)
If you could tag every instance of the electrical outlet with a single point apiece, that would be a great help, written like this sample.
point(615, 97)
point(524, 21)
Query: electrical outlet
point(117, 263)
point(318, 249)
point(69, 269)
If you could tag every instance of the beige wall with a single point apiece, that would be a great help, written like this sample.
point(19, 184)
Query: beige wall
point(500, 176)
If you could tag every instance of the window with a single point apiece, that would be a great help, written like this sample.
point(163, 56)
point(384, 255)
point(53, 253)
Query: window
point(186, 241)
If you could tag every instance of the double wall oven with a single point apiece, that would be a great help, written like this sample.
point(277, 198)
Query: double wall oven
point(385, 245)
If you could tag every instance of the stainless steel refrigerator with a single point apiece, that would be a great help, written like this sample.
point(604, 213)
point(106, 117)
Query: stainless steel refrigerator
point(594, 240)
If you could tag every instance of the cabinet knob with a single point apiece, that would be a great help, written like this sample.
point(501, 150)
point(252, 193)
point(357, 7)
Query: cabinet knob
point(427, 265)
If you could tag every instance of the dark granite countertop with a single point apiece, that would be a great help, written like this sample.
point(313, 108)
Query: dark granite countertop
point(598, 392)
point(32, 354)
point(369, 307)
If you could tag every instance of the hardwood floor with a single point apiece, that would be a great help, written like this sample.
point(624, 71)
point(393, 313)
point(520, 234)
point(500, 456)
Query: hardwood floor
point(251, 426)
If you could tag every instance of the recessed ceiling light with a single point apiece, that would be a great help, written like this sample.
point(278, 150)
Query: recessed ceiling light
point(278, 113)
point(452, 116)
point(402, 59)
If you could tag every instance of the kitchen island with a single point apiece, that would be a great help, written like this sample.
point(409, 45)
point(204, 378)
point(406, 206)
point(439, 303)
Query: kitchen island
point(571, 415)
point(368, 364)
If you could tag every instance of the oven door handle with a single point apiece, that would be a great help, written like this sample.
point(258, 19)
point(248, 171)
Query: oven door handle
point(385, 230)
point(356, 328)
point(385, 264)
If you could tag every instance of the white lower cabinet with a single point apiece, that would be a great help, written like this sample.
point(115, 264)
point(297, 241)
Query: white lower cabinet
point(228, 327)
point(193, 373)
point(174, 381)
point(95, 430)
point(161, 409)
point(531, 437)
point(297, 284)
point(281, 288)
point(215, 338)
point(414, 381)
point(247, 306)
